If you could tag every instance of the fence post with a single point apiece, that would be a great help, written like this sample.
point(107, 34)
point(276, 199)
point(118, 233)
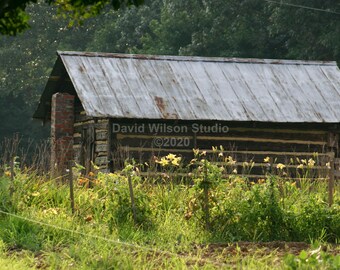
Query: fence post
point(11, 188)
point(133, 207)
point(331, 178)
point(70, 179)
point(206, 196)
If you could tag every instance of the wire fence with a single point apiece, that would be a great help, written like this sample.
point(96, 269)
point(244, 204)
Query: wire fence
point(118, 242)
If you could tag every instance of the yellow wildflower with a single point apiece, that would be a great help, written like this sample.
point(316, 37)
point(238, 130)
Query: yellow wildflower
point(280, 166)
point(91, 173)
point(304, 161)
point(235, 171)
point(220, 154)
point(171, 157)
point(8, 173)
point(175, 161)
point(311, 163)
point(230, 160)
point(214, 149)
point(196, 151)
point(328, 165)
point(300, 166)
point(163, 162)
point(267, 159)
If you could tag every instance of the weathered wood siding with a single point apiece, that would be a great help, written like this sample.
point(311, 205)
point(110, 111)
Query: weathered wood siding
point(109, 142)
point(91, 140)
point(244, 142)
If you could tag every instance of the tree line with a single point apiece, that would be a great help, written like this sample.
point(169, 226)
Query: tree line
point(289, 29)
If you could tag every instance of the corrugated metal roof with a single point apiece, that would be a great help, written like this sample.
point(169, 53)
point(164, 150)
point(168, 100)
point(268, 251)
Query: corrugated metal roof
point(197, 88)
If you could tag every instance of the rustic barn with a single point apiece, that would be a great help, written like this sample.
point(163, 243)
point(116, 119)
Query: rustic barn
point(108, 107)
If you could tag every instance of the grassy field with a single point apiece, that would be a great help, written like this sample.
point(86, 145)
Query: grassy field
point(208, 222)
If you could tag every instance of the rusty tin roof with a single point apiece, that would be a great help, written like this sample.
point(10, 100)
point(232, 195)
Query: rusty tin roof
point(199, 88)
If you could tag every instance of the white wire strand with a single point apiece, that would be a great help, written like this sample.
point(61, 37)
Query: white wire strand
point(117, 242)
point(303, 7)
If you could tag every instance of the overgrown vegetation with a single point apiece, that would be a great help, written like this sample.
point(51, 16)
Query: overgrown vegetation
point(170, 228)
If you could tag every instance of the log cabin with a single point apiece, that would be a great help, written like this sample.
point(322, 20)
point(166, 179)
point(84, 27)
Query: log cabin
point(106, 107)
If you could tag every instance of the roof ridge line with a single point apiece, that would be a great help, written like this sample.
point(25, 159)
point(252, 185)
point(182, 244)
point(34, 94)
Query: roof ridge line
point(197, 58)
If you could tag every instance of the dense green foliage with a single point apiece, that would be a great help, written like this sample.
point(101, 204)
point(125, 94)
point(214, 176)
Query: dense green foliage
point(14, 18)
point(169, 231)
point(230, 28)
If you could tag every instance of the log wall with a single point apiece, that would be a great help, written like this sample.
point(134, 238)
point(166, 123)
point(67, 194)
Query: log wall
point(109, 142)
point(288, 144)
point(91, 141)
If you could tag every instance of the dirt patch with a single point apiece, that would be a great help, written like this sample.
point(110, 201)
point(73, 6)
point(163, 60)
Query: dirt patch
point(246, 248)
point(265, 248)
point(218, 253)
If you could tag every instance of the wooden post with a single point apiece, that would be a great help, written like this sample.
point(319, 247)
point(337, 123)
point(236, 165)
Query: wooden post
point(70, 178)
point(331, 179)
point(11, 188)
point(133, 207)
point(206, 196)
